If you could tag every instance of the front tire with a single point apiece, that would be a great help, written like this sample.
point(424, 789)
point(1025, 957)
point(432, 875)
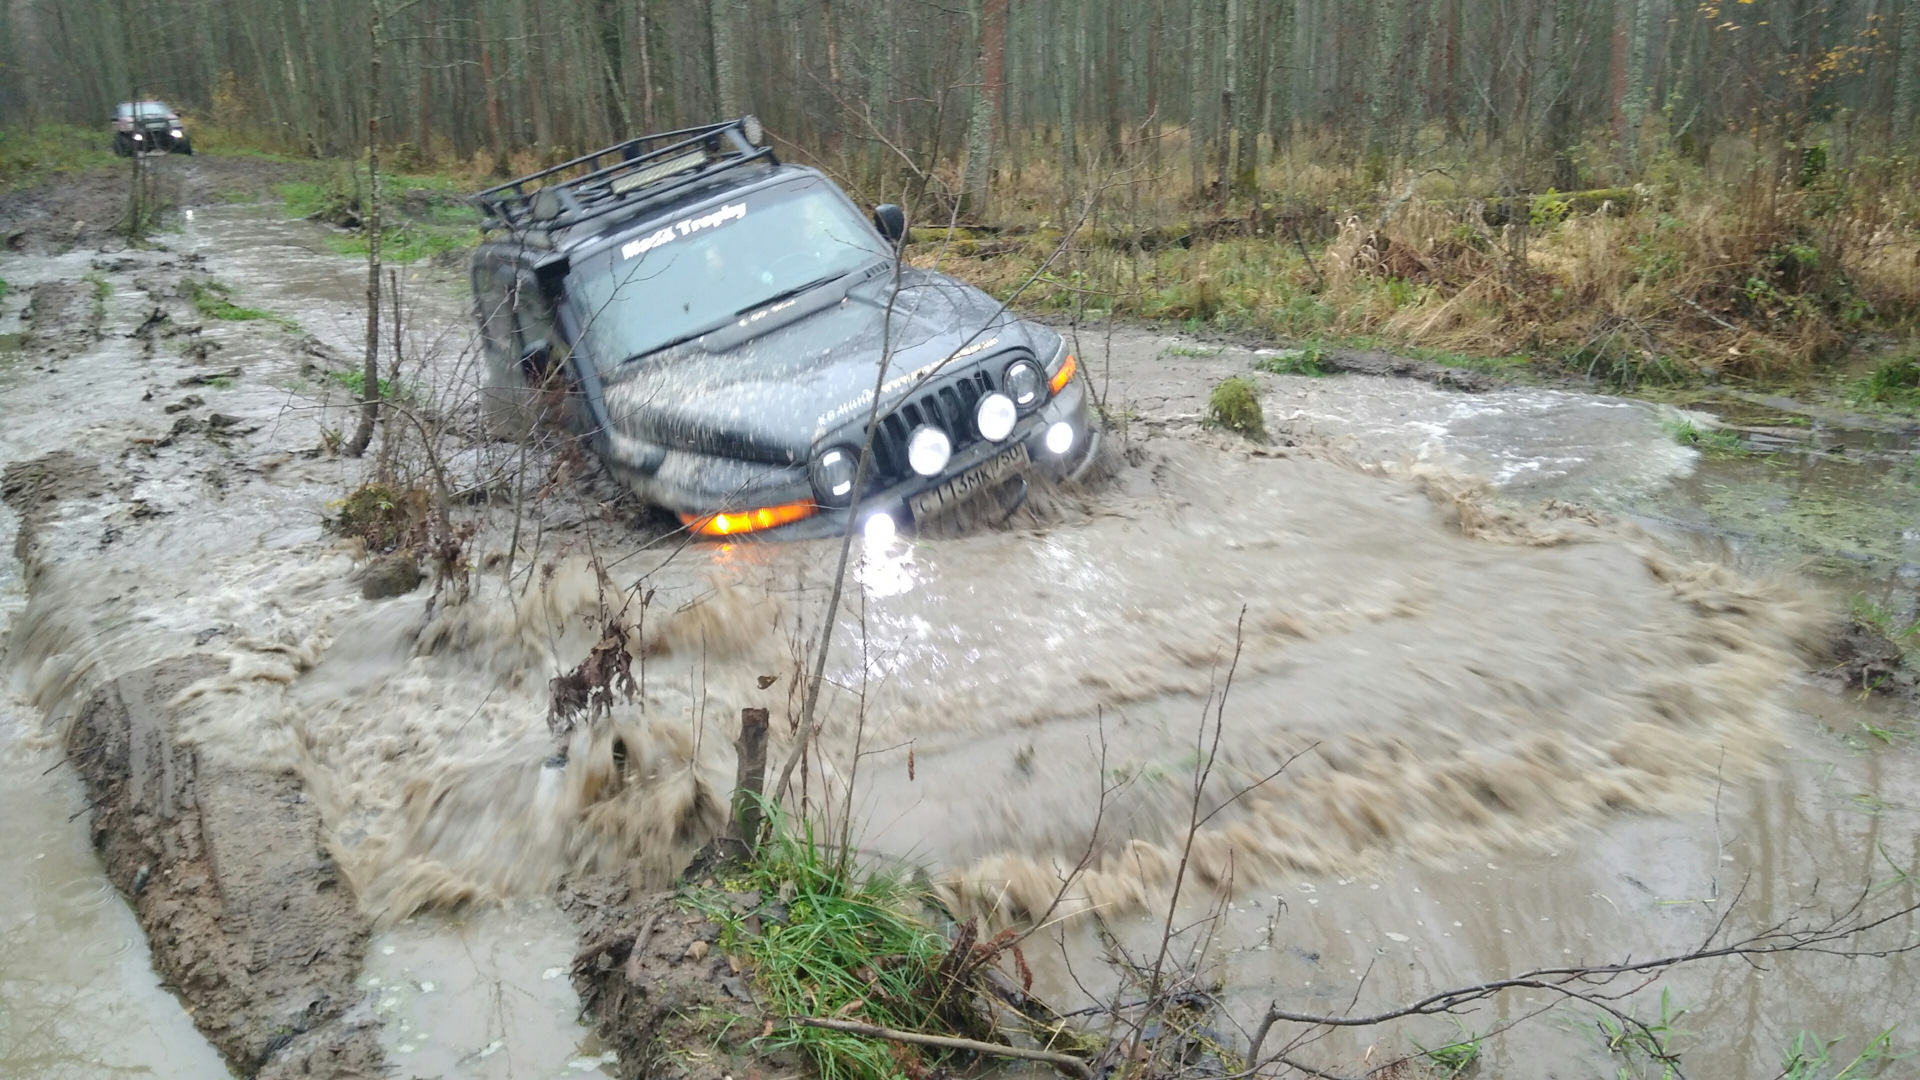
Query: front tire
point(509, 408)
point(183, 146)
point(122, 144)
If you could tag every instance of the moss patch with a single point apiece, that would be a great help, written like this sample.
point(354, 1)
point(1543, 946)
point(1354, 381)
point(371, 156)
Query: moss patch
point(1235, 405)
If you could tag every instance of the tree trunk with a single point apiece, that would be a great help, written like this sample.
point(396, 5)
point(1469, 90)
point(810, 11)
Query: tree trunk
point(1617, 84)
point(1635, 101)
point(496, 128)
point(1197, 107)
point(720, 15)
point(370, 393)
point(1560, 109)
point(1158, 19)
point(979, 170)
point(1229, 104)
point(1064, 83)
point(1906, 79)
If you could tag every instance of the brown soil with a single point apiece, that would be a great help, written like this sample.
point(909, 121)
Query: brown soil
point(250, 922)
point(62, 320)
point(660, 992)
point(84, 209)
point(35, 490)
point(1866, 660)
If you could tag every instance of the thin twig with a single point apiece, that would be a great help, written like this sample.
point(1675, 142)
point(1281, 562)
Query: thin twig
point(1065, 1063)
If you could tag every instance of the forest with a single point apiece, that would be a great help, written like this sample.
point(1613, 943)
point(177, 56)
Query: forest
point(1734, 178)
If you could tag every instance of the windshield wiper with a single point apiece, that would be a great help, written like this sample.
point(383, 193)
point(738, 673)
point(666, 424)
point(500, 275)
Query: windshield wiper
point(793, 292)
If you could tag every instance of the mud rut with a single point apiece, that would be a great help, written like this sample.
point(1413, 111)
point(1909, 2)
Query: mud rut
point(276, 764)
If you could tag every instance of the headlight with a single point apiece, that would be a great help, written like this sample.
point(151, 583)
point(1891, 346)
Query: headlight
point(1060, 438)
point(832, 474)
point(929, 450)
point(138, 137)
point(995, 417)
point(1023, 383)
point(176, 133)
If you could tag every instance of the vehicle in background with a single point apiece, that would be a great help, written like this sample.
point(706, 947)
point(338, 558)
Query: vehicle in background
point(148, 127)
point(716, 325)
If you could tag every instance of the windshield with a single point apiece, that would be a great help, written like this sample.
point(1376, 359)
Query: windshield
point(695, 273)
point(147, 110)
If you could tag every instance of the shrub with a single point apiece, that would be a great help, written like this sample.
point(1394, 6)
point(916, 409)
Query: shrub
point(1235, 405)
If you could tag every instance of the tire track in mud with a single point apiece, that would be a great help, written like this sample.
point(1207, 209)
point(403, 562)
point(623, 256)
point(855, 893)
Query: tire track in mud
point(63, 320)
point(225, 866)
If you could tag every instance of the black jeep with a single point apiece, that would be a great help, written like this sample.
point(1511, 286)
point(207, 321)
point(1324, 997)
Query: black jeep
point(717, 325)
point(148, 127)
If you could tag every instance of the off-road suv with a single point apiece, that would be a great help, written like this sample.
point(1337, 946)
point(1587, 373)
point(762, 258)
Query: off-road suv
point(718, 325)
point(148, 127)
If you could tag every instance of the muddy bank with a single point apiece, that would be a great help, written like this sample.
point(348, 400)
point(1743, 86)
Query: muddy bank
point(249, 920)
point(86, 208)
point(63, 318)
point(662, 994)
point(225, 867)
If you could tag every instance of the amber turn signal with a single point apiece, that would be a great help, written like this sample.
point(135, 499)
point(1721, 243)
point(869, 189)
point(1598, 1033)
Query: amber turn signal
point(733, 523)
point(1063, 376)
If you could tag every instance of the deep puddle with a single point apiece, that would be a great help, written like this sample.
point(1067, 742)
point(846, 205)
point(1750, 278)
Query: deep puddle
point(1529, 737)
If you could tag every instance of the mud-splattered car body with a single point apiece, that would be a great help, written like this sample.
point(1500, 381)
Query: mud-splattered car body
point(723, 329)
point(148, 127)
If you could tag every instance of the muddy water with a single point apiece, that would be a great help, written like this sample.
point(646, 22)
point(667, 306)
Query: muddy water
point(1559, 730)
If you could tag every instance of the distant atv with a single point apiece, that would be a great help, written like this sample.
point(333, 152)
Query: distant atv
point(148, 127)
point(714, 324)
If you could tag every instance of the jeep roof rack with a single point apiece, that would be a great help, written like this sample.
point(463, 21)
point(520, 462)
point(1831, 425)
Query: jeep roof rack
point(606, 180)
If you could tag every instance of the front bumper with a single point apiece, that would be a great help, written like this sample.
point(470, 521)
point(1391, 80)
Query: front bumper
point(692, 483)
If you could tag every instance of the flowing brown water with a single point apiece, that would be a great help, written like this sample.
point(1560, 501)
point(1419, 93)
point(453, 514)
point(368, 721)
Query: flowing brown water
point(1468, 679)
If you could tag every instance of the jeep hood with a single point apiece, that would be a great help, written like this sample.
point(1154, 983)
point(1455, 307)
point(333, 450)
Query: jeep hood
point(771, 395)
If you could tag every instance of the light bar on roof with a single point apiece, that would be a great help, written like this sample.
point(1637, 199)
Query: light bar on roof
point(633, 181)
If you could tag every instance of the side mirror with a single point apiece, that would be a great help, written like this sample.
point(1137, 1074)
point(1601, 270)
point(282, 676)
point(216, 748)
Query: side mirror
point(891, 221)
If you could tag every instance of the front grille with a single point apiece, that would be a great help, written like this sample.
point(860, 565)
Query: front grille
point(948, 406)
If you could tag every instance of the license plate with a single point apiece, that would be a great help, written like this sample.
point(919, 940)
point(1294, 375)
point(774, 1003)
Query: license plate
point(970, 483)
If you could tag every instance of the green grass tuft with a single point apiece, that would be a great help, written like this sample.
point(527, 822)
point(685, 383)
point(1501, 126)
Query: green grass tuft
point(850, 946)
point(1894, 381)
point(3, 288)
point(213, 301)
point(1454, 1058)
point(355, 380)
point(1235, 405)
point(410, 242)
point(1884, 620)
point(1809, 1057)
point(1712, 442)
point(1191, 350)
point(1305, 361)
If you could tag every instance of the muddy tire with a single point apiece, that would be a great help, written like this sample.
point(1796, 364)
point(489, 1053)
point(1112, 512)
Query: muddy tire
point(122, 145)
point(509, 408)
point(183, 146)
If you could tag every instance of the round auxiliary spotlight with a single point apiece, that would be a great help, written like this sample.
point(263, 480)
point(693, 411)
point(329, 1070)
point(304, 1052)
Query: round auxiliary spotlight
point(995, 417)
point(750, 127)
point(929, 450)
